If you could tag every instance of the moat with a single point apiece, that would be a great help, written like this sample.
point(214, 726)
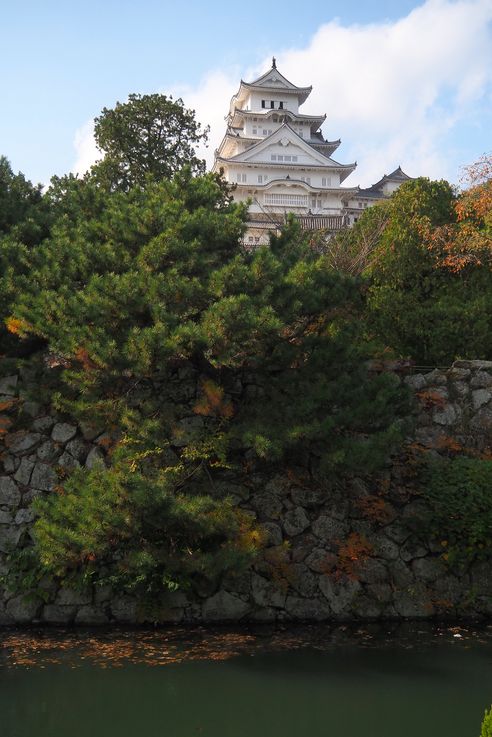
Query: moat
point(412, 679)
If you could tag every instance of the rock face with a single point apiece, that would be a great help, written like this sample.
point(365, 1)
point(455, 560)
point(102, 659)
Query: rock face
point(331, 554)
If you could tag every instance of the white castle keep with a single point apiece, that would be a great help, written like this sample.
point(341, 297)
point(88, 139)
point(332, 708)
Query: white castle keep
point(278, 159)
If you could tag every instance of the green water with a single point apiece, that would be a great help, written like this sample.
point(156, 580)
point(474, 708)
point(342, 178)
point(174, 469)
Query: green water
point(313, 683)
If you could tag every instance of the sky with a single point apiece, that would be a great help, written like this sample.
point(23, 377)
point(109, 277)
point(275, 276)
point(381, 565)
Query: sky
point(401, 82)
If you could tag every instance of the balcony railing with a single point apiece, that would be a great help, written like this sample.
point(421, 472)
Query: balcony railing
point(322, 222)
point(286, 200)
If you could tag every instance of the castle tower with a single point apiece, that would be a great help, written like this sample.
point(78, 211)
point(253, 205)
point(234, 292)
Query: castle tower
point(280, 162)
point(278, 159)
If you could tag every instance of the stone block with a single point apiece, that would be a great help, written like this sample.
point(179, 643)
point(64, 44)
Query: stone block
point(77, 448)
point(321, 561)
point(482, 421)
point(450, 588)
point(41, 424)
point(384, 548)
point(412, 549)
point(456, 374)
point(10, 463)
point(33, 409)
point(8, 385)
point(95, 457)
point(9, 537)
point(413, 603)
point(301, 546)
point(366, 607)
point(481, 576)
point(68, 462)
point(91, 615)
point(55, 614)
point(25, 516)
point(5, 619)
point(72, 597)
point(295, 521)
point(339, 594)
point(480, 397)
point(415, 382)
point(223, 607)
point(380, 592)
point(5, 518)
point(9, 493)
point(428, 569)
point(267, 593)
point(307, 609)
point(22, 442)
point(308, 497)
point(43, 477)
point(450, 414)
point(63, 432)
point(124, 610)
point(372, 571)
point(23, 609)
point(436, 378)
point(23, 473)
point(481, 379)
point(329, 530)
point(267, 505)
point(477, 365)
point(303, 580)
point(48, 451)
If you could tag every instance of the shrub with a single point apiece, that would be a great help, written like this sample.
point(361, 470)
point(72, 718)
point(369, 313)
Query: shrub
point(459, 493)
point(486, 730)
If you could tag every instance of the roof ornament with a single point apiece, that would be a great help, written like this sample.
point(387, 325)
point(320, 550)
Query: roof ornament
point(274, 63)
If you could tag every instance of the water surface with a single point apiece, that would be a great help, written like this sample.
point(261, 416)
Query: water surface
point(407, 681)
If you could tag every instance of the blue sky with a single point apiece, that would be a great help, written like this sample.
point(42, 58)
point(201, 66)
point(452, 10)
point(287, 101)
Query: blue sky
point(401, 81)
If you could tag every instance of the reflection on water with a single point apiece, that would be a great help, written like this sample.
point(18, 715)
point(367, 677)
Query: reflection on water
point(409, 680)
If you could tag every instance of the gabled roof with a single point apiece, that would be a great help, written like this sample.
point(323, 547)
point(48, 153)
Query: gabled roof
point(271, 81)
point(315, 120)
point(273, 78)
point(398, 175)
point(376, 190)
point(286, 132)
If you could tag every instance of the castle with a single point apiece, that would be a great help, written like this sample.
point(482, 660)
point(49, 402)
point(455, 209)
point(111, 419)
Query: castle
point(279, 160)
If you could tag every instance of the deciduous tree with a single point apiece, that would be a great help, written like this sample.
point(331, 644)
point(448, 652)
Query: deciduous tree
point(149, 136)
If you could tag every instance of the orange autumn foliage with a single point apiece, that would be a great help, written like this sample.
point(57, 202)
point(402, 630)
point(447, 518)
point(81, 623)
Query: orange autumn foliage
point(83, 357)
point(375, 508)
point(5, 424)
point(430, 399)
point(17, 326)
point(352, 554)
point(468, 241)
point(212, 402)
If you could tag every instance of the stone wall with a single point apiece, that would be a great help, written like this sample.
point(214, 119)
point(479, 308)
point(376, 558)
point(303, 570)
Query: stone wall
point(332, 553)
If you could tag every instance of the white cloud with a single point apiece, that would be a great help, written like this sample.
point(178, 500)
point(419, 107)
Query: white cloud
point(210, 100)
point(391, 90)
point(85, 148)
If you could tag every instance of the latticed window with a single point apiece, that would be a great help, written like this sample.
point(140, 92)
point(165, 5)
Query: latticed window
point(286, 200)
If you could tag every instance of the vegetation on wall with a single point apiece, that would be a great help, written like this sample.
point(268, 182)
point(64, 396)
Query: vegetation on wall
point(457, 491)
point(202, 360)
point(486, 730)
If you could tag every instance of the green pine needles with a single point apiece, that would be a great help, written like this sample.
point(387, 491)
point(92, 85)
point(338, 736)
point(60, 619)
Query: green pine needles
point(486, 730)
point(201, 360)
